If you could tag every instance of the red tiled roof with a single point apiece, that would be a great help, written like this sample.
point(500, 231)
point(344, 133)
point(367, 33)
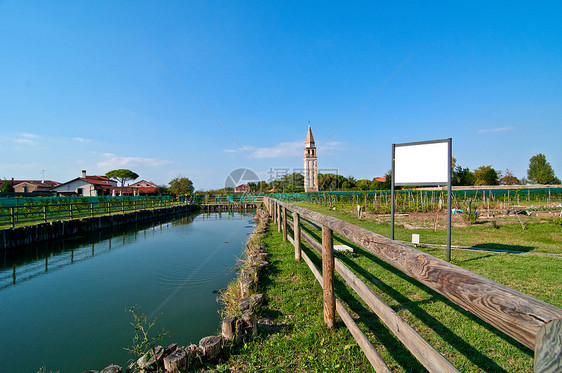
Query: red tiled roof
point(45, 183)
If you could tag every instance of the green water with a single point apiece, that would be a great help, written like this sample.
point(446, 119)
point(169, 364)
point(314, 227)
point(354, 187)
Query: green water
point(66, 308)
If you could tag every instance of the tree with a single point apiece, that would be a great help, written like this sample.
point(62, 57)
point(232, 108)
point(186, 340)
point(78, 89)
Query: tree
point(181, 185)
point(509, 179)
point(122, 175)
point(291, 183)
point(7, 186)
point(486, 175)
point(540, 171)
point(463, 176)
point(388, 183)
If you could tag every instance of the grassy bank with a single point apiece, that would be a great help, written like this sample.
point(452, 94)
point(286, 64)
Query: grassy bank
point(297, 340)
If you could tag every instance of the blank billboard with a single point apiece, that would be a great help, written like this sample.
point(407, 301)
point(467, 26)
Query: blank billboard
point(423, 163)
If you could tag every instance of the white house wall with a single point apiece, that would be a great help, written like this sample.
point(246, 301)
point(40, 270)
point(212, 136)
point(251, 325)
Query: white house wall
point(88, 190)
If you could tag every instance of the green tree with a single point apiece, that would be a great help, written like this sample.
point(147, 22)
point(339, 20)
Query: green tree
point(291, 183)
point(540, 171)
point(463, 176)
point(364, 184)
point(122, 175)
point(387, 185)
point(7, 186)
point(486, 175)
point(181, 185)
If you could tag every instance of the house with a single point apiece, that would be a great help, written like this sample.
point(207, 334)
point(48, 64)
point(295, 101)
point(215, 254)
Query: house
point(144, 187)
point(86, 186)
point(33, 186)
point(242, 188)
point(380, 179)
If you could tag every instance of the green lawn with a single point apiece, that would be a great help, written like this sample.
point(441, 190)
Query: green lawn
point(539, 236)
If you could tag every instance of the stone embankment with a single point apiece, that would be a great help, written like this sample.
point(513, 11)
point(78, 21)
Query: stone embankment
point(32, 234)
point(239, 324)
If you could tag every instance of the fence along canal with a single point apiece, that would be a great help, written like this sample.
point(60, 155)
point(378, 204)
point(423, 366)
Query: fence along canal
point(532, 322)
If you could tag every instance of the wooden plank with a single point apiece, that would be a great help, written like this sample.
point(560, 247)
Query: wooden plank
point(430, 358)
point(548, 352)
point(313, 269)
point(516, 314)
point(328, 276)
point(372, 355)
point(284, 223)
point(297, 236)
point(366, 346)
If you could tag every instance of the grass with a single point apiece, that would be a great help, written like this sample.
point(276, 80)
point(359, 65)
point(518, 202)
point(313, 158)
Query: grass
point(302, 343)
point(298, 340)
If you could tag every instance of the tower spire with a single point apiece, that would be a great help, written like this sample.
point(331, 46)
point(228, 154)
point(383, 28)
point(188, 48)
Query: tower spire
point(310, 163)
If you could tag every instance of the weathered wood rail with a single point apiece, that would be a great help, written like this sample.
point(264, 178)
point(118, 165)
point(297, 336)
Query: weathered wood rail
point(532, 322)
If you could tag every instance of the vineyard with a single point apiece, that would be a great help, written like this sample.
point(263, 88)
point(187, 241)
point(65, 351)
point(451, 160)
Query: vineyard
point(407, 201)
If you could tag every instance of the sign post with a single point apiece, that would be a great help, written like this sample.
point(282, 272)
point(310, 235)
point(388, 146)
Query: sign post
point(424, 163)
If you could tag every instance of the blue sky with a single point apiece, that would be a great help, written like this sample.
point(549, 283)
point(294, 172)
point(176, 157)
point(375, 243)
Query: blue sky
point(201, 88)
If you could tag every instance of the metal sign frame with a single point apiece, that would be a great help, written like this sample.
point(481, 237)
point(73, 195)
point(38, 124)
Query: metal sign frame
point(449, 142)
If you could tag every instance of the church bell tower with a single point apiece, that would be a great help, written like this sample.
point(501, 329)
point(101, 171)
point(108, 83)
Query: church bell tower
point(310, 164)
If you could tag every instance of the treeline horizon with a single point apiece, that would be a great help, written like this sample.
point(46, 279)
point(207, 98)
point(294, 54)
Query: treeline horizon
point(539, 172)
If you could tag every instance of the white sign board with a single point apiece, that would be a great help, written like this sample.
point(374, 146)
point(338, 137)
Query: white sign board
point(422, 163)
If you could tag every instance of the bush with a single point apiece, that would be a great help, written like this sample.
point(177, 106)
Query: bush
point(557, 221)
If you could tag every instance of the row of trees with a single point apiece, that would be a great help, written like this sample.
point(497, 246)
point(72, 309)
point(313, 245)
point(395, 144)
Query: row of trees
point(539, 172)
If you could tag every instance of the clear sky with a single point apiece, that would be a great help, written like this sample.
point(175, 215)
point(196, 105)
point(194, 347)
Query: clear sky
point(200, 88)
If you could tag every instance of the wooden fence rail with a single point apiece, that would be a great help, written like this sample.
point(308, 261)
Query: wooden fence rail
point(532, 322)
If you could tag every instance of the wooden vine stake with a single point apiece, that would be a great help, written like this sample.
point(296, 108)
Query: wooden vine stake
point(328, 276)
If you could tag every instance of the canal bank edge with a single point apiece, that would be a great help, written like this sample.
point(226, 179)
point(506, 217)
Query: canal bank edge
point(238, 325)
point(31, 234)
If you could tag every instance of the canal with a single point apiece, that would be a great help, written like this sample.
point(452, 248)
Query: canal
point(66, 306)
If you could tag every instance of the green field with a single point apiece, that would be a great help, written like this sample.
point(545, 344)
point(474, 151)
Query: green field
point(302, 343)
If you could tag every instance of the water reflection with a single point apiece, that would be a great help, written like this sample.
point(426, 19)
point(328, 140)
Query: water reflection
point(73, 295)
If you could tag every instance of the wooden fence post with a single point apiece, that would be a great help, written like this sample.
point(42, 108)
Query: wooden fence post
point(548, 348)
point(44, 213)
point(91, 210)
point(12, 217)
point(70, 210)
point(278, 211)
point(284, 223)
point(297, 236)
point(328, 276)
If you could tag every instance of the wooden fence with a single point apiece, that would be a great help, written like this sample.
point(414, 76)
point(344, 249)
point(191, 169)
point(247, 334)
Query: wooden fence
point(532, 322)
point(10, 216)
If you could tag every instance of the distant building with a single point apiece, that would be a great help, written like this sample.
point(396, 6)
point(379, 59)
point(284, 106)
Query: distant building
point(33, 186)
point(141, 188)
point(380, 179)
point(310, 164)
point(86, 186)
point(243, 188)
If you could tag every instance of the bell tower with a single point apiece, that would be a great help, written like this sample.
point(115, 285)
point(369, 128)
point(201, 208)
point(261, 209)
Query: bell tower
point(310, 164)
